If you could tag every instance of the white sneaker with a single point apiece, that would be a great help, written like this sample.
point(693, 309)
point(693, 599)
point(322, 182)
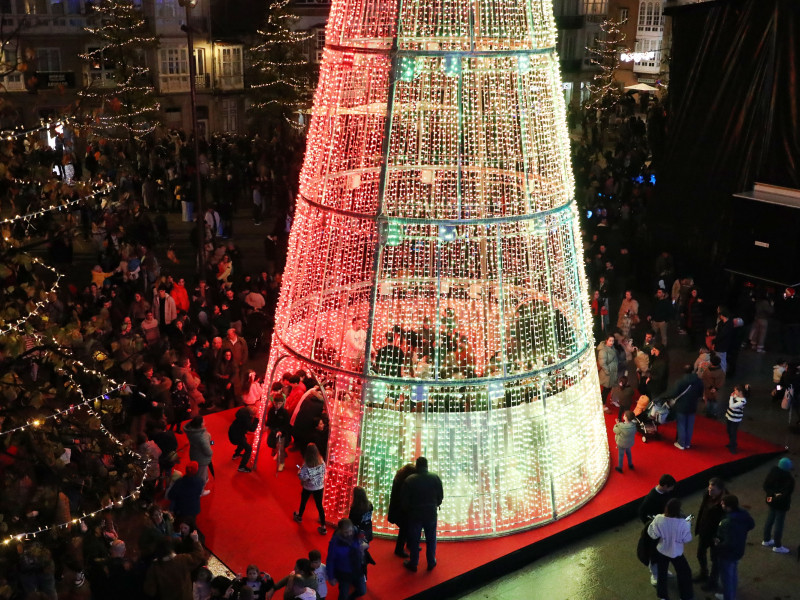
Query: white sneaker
point(678, 446)
point(205, 493)
point(719, 596)
point(781, 550)
point(768, 544)
point(653, 580)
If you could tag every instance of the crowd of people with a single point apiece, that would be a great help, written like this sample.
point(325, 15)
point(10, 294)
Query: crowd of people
point(721, 527)
point(185, 350)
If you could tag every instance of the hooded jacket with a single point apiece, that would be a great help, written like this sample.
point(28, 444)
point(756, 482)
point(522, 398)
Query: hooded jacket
point(779, 486)
point(199, 444)
point(732, 534)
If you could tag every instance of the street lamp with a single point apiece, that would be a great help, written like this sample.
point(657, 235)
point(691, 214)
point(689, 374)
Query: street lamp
point(201, 232)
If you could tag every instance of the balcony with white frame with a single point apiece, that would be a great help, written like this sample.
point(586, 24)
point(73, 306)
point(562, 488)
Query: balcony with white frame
point(228, 75)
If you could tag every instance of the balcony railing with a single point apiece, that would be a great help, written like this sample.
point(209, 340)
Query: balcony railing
point(230, 82)
point(177, 84)
point(173, 84)
point(13, 83)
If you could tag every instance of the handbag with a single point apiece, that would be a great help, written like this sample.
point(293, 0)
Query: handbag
point(788, 398)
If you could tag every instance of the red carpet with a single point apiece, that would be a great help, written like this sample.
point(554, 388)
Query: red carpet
point(248, 517)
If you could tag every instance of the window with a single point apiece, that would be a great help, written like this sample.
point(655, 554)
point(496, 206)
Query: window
point(230, 61)
point(648, 45)
point(101, 69)
point(319, 44)
point(174, 61)
point(623, 15)
point(200, 61)
point(595, 7)
point(5, 7)
point(650, 18)
point(48, 60)
point(34, 7)
point(9, 60)
point(167, 8)
point(230, 120)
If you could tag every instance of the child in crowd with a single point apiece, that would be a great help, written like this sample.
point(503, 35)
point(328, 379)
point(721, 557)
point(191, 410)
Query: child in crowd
point(735, 414)
point(315, 556)
point(277, 422)
point(201, 588)
point(312, 476)
point(258, 581)
point(625, 436)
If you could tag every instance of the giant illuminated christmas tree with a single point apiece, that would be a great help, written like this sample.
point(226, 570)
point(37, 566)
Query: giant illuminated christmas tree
point(436, 204)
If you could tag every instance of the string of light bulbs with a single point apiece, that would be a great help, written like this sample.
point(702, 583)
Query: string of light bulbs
point(107, 188)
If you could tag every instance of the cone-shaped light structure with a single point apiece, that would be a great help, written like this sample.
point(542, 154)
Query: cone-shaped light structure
point(436, 204)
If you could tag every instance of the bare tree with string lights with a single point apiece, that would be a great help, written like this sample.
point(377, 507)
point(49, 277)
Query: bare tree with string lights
point(283, 77)
point(604, 90)
point(124, 107)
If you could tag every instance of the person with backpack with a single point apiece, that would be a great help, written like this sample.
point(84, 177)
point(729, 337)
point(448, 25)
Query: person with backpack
point(243, 422)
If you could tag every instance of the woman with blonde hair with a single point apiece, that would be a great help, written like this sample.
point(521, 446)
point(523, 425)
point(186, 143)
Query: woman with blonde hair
point(312, 476)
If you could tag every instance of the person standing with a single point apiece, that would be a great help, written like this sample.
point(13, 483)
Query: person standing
point(169, 577)
point(355, 341)
point(705, 528)
point(654, 504)
point(625, 436)
point(687, 393)
point(343, 563)
point(735, 414)
point(243, 423)
point(713, 379)
point(277, 423)
point(778, 486)
point(397, 514)
point(607, 365)
point(730, 544)
point(672, 531)
point(723, 339)
point(200, 449)
point(628, 315)
point(422, 496)
point(184, 495)
point(312, 476)
point(662, 315)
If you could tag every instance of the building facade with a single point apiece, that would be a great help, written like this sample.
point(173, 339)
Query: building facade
point(49, 36)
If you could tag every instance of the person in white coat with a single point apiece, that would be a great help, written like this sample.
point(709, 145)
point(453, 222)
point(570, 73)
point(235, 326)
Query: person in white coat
point(672, 531)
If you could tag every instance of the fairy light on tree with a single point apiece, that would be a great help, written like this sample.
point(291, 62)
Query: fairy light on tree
point(437, 203)
point(282, 76)
point(126, 106)
point(604, 90)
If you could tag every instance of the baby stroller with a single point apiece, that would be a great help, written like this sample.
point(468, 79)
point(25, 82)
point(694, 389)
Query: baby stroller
point(656, 413)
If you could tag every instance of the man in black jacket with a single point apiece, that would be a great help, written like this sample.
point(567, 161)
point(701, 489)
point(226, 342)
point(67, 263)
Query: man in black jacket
point(687, 393)
point(422, 495)
point(731, 542)
point(705, 528)
point(243, 423)
point(778, 487)
point(654, 504)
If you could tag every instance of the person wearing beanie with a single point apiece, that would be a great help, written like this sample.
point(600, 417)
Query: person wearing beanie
point(185, 494)
point(778, 487)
